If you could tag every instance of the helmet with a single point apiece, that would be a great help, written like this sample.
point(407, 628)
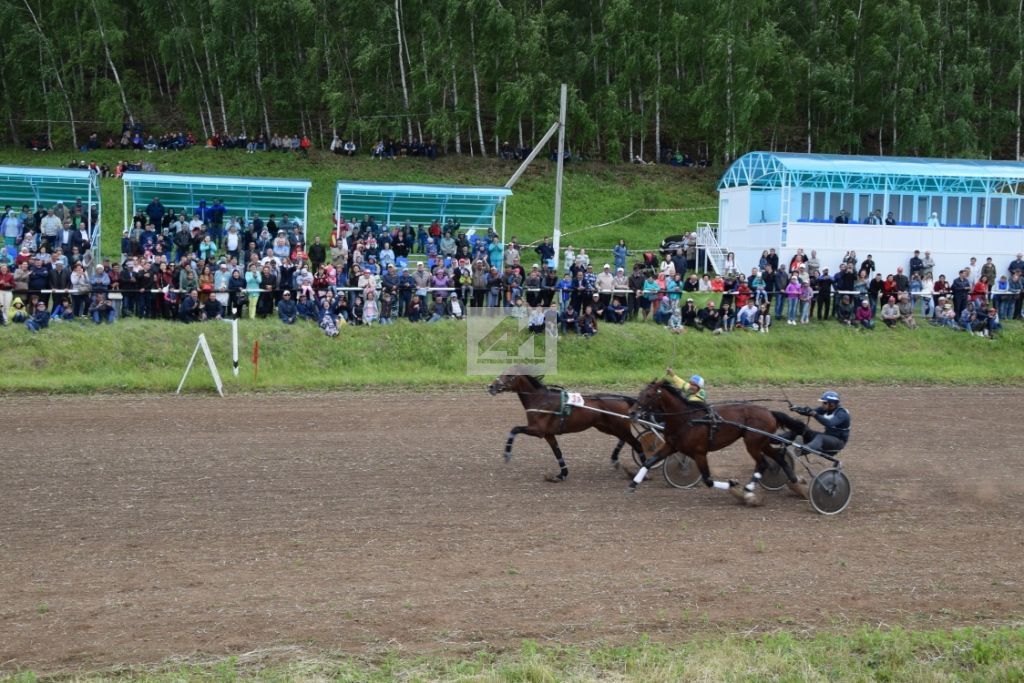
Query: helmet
point(698, 380)
point(829, 397)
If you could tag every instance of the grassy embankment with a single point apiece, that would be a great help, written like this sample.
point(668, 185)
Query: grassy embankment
point(971, 654)
point(593, 193)
point(135, 355)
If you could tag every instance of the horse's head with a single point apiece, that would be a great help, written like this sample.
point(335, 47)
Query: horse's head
point(511, 381)
point(648, 400)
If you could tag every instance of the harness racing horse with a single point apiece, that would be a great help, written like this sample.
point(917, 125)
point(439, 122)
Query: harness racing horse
point(547, 416)
point(696, 429)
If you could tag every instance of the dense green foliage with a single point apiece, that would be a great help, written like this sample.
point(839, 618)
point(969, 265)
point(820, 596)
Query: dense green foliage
point(868, 654)
point(137, 355)
point(926, 77)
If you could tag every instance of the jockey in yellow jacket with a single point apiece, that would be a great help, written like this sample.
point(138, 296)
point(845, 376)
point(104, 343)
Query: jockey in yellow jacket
point(692, 388)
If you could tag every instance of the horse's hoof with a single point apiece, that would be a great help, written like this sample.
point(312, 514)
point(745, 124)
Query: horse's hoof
point(508, 456)
point(616, 464)
point(753, 499)
point(739, 492)
point(554, 479)
point(799, 488)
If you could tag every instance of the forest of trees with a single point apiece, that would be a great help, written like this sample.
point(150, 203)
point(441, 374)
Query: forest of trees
point(907, 77)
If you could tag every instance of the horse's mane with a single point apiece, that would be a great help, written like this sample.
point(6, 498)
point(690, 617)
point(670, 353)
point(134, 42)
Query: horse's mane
point(668, 386)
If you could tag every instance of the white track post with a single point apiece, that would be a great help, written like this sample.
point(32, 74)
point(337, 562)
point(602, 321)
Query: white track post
point(234, 344)
point(558, 177)
point(504, 203)
point(125, 225)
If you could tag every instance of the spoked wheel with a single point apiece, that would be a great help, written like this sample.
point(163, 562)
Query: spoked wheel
point(774, 477)
point(830, 492)
point(681, 471)
point(651, 441)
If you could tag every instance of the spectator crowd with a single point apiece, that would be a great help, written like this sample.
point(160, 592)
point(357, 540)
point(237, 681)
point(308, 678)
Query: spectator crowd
point(208, 262)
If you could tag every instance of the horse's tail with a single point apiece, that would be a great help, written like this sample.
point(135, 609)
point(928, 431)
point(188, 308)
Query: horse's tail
point(789, 422)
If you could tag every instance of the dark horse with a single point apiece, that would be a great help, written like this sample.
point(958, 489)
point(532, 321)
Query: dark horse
point(692, 429)
point(544, 419)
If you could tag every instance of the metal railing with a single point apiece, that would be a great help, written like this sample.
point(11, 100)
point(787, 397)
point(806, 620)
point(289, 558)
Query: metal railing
point(707, 240)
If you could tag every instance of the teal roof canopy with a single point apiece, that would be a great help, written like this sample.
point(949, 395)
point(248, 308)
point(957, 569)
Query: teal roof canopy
point(419, 204)
point(47, 186)
point(912, 175)
point(241, 196)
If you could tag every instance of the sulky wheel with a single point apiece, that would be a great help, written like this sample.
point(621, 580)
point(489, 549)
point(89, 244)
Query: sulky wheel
point(651, 441)
point(830, 492)
point(774, 477)
point(681, 471)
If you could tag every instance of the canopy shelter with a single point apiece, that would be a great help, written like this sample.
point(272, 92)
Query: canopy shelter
point(241, 196)
point(393, 203)
point(45, 187)
point(887, 206)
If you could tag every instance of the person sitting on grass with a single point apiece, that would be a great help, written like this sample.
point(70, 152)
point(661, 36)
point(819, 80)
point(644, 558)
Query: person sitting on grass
point(727, 316)
point(946, 316)
point(864, 317)
point(616, 313)
point(536, 320)
point(675, 322)
point(102, 309)
point(890, 312)
point(746, 318)
point(306, 308)
point(764, 319)
point(844, 310)
point(588, 322)
point(287, 311)
point(213, 309)
point(906, 307)
point(188, 311)
point(993, 324)
point(40, 319)
point(709, 318)
point(570, 320)
point(663, 311)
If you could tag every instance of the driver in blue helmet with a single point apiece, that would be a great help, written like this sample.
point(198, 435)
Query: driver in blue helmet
point(835, 419)
point(692, 388)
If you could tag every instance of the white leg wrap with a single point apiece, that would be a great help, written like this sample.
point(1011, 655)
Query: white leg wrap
point(757, 475)
point(640, 475)
point(750, 487)
point(724, 485)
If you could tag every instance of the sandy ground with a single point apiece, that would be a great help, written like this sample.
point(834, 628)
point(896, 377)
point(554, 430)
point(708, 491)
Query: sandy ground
point(137, 529)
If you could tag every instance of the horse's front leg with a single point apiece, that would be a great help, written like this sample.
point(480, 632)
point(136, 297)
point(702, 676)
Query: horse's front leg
point(705, 473)
point(563, 473)
point(512, 437)
point(659, 455)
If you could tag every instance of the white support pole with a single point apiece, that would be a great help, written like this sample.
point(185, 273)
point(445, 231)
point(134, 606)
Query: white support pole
point(533, 155)
point(504, 203)
point(125, 225)
point(305, 216)
point(563, 98)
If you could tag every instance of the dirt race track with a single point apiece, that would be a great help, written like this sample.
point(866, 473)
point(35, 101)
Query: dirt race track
point(136, 529)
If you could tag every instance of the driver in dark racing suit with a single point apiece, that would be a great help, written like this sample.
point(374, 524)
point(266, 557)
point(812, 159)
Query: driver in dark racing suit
point(833, 417)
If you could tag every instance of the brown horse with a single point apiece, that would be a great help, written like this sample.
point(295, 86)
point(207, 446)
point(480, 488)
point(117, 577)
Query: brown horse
point(546, 417)
point(692, 429)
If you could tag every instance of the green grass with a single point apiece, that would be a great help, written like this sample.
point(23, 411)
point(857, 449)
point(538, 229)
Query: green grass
point(968, 654)
point(593, 193)
point(136, 355)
